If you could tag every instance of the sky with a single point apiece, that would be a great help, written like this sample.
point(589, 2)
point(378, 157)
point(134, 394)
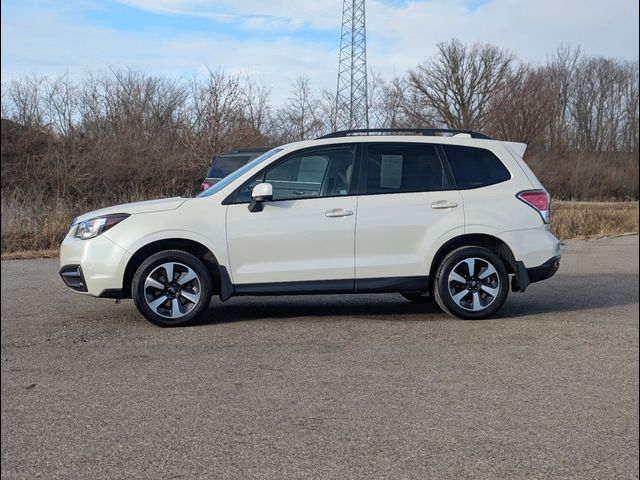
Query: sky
point(274, 41)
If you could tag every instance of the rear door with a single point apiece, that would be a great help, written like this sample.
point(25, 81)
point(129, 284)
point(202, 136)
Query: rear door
point(489, 189)
point(406, 203)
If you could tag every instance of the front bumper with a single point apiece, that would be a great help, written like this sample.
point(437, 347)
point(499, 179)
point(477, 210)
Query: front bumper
point(93, 267)
point(73, 277)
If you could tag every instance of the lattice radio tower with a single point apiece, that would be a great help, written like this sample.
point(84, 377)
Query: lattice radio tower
point(351, 98)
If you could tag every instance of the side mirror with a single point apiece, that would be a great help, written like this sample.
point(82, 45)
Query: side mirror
point(263, 192)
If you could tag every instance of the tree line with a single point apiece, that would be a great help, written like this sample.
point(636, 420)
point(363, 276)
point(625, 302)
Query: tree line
point(127, 134)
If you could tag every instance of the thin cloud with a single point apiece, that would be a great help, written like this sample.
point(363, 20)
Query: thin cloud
point(298, 37)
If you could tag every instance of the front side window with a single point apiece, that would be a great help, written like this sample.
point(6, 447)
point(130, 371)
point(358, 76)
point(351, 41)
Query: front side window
point(404, 168)
point(313, 174)
point(475, 167)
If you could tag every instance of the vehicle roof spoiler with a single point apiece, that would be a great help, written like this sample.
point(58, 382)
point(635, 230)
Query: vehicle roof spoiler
point(516, 148)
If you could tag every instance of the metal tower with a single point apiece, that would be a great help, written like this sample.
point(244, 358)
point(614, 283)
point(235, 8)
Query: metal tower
point(351, 98)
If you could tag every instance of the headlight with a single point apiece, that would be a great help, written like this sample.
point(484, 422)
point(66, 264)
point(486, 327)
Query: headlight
point(95, 226)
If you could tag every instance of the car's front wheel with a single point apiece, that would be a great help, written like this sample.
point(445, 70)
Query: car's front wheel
point(172, 288)
point(471, 283)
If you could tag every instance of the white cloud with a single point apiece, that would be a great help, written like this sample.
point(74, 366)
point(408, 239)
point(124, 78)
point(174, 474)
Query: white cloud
point(400, 35)
point(49, 44)
point(314, 13)
point(403, 36)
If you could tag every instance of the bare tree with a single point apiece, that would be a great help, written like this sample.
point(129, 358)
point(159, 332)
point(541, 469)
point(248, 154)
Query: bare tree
point(217, 106)
point(25, 96)
point(299, 118)
point(560, 71)
point(257, 107)
point(460, 82)
point(522, 110)
point(632, 104)
point(327, 111)
point(598, 104)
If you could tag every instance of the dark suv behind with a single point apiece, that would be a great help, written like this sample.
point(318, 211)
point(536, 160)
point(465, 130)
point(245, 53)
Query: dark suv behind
point(225, 163)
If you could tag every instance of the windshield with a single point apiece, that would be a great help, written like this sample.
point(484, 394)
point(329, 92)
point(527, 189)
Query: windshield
point(238, 173)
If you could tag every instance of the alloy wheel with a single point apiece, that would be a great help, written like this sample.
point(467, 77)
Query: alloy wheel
point(172, 290)
point(473, 284)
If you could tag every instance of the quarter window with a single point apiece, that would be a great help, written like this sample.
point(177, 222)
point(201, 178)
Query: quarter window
point(475, 167)
point(404, 168)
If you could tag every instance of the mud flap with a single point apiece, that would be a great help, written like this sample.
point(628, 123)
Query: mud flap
point(520, 281)
point(226, 287)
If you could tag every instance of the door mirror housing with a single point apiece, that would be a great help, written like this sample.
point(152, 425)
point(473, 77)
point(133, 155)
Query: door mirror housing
point(263, 192)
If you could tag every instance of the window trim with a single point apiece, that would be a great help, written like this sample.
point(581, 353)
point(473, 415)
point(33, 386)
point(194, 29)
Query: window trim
point(453, 178)
point(353, 187)
point(448, 183)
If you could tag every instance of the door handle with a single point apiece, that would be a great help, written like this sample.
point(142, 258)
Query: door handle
point(443, 205)
point(298, 192)
point(338, 212)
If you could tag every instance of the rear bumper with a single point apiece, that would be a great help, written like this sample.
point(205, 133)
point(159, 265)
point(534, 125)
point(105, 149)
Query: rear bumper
point(534, 246)
point(544, 271)
point(525, 276)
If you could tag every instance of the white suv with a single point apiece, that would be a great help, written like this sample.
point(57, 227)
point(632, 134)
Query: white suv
point(426, 215)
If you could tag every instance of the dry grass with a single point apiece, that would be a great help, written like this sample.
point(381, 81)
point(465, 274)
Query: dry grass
point(26, 254)
point(593, 219)
point(34, 229)
point(30, 223)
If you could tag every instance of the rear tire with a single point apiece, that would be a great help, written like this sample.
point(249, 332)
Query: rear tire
point(471, 283)
point(172, 288)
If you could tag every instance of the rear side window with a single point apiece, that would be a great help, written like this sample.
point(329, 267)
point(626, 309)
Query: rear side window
point(397, 168)
point(475, 167)
point(223, 165)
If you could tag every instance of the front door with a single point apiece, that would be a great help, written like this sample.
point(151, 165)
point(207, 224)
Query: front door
point(306, 233)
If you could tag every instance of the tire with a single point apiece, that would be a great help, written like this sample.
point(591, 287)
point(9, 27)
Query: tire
point(417, 297)
point(486, 287)
point(177, 277)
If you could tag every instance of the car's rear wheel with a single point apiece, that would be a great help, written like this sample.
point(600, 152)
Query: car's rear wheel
point(172, 288)
point(471, 283)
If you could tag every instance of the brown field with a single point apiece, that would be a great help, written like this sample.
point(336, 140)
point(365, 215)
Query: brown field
point(593, 219)
point(31, 229)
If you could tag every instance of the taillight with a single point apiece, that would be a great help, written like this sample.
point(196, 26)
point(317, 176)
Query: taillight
point(539, 200)
point(205, 185)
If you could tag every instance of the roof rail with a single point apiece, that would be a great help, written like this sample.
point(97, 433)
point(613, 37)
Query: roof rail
point(244, 150)
point(429, 132)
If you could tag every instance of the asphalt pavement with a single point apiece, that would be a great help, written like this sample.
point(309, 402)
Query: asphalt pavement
point(334, 387)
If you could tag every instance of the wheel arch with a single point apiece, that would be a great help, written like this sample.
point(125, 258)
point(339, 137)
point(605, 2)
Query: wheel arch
point(490, 242)
point(203, 253)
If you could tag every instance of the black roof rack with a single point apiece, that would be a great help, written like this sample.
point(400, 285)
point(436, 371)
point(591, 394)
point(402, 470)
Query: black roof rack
point(244, 150)
point(429, 132)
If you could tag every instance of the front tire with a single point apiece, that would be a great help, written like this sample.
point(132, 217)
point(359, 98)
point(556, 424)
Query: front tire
point(471, 283)
point(172, 288)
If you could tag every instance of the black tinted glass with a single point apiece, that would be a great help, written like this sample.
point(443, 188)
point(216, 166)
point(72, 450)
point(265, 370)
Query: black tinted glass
point(223, 165)
point(318, 173)
point(475, 167)
point(404, 168)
